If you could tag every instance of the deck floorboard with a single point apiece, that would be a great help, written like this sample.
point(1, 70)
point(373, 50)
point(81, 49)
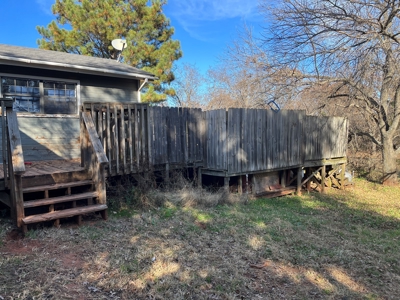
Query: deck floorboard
point(37, 168)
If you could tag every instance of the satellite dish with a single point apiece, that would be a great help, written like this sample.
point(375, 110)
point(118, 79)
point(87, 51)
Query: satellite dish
point(119, 44)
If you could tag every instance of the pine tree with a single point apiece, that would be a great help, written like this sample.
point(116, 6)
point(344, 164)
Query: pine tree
point(87, 27)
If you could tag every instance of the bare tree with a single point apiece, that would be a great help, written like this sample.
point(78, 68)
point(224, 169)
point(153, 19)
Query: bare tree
point(189, 86)
point(351, 47)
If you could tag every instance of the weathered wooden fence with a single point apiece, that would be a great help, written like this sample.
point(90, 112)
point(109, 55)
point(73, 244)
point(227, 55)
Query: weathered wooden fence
point(324, 137)
point(137, 137)
point(176, 135)
point(252, 140)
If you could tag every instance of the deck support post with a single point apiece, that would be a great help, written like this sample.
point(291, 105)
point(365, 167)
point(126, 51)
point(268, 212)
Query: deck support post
point(323, 175)
point(299, 177)
point(240, 185)
point(342, 176)
point(283, 178)
point(308, 183)
point(167, 168)
point(199, 178)
point(226, 184)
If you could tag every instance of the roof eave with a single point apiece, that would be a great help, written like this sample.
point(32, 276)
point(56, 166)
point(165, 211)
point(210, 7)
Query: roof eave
point(72, 68)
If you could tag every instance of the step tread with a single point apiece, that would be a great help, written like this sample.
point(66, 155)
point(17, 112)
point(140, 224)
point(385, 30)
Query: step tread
point(66, 213)
point(56, 186)
point(61, 199)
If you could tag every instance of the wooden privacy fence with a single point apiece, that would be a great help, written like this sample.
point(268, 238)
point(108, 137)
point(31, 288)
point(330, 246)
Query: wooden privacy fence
point(324, 137)
point(252, 140)
point(137, 137)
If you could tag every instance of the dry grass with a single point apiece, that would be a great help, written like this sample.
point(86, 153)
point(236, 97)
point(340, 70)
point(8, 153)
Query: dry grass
point(342, 245)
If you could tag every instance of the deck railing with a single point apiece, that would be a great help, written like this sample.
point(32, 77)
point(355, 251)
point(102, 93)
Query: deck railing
point(137, 137)
point(14, 165)
point(93, 157)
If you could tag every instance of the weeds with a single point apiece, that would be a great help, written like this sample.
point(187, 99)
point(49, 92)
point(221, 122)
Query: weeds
point(143, 193)
point(339, 245)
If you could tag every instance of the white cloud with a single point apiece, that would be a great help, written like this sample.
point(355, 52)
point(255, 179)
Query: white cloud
point(45, 6)
point(192, 15)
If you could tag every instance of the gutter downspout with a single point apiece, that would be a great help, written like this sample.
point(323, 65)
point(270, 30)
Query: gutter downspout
point(140, 88)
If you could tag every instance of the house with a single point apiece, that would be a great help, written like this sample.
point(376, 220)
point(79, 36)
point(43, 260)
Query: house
point(49, 87)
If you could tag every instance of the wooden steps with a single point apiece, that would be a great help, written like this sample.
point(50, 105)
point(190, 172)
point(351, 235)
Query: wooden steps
point(66, 213)
point(56, 186)
point(62, 199)
point(52, 202)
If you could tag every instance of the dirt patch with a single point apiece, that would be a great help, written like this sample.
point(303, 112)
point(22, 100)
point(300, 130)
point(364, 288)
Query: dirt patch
point(15, 244)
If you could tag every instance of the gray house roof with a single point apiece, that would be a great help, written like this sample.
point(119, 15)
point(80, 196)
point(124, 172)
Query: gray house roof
point(62, 61)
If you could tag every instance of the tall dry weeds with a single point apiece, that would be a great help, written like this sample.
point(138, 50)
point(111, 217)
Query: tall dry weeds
point(144, 192)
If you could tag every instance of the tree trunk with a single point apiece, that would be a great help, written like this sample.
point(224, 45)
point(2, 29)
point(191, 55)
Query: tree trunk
point(389, 161)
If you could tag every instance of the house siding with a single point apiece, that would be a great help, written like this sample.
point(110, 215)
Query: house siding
point(48, 138)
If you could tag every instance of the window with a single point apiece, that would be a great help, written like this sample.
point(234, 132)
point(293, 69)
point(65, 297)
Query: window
point(59, 98)
point(40, 96)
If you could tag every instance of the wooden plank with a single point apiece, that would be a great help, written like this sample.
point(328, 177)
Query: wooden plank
point(123, 139)
point(263, 133)
point(235, 154)
point(94, 116)
point(156, 140)
point(277, 193)
point(57, 186)
point(100, 130)
point(201, 136)
point(299, 178)
point(17, 156)
point(222, 157)
point(142, 136)
point(251, 141)
point(61, 199)
point(137, 139)
point(149, 134)
point(109, 146)
point(4, 141)
point(94, 139)
point(171, 132)
point(130, 137)
point(83, 141)
point(17, 208)
point(190, 138)
point(259, 139)
point(184, 136)
point(231, 142)
point(244, 141)
point(66, 213)
point(323, 175)
point(116, 139)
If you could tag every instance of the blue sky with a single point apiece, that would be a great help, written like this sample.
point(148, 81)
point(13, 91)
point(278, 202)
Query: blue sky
point(204, 27)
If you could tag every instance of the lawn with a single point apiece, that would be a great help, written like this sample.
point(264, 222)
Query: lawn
point(339, 245)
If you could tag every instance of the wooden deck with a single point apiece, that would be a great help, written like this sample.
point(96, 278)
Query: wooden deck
point(285, 149)
point(46, 167)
